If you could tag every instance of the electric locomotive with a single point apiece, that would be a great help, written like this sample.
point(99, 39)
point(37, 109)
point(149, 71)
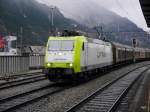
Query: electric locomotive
point(71, 57)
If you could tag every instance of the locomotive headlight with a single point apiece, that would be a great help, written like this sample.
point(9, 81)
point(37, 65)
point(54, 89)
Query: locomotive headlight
point(70, 64)
point(48, 64)
point(60, 53)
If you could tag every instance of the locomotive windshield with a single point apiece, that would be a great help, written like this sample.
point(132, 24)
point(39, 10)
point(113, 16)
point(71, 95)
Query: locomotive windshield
point(61, 45)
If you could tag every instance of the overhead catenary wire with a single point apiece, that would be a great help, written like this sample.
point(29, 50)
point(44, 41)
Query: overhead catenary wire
point(122, 8)
point(70, 16)
point(126, 11)
point(68, 13)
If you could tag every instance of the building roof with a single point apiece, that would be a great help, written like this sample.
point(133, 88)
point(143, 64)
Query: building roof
point(145, 5)
point(34, 49)
point(38, 49)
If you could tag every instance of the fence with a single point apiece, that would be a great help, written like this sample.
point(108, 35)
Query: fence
point(36, 61)
point(13, 64)
point(10, 65)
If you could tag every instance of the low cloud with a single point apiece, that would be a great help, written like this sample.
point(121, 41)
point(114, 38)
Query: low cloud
point(130, 8)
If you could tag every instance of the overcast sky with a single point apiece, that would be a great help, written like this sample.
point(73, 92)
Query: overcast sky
point(125, 8)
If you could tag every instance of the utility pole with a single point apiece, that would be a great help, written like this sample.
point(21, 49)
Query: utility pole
point(22, 31)
point(100, 32)
point(118, 27)
point(134, 43)
point(21, 39)
point(51, 15)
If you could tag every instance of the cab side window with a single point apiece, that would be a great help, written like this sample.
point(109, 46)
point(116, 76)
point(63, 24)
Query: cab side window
point(83, 46)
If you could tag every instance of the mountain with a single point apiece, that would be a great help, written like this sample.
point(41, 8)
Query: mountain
point(92, 14)
point(34, 18)
point(116, 28)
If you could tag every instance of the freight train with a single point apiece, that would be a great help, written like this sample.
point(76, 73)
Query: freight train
point(69, 58)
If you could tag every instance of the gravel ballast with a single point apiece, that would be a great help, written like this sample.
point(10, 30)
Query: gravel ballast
point(61, 101)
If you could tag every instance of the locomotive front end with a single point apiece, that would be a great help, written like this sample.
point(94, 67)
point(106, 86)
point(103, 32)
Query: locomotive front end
point(62, 58)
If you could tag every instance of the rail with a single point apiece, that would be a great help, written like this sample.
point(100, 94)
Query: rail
point(107, 97)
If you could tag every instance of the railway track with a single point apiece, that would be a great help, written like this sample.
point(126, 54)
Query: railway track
point(13, 102)
point(107, 98)
point(23, 80)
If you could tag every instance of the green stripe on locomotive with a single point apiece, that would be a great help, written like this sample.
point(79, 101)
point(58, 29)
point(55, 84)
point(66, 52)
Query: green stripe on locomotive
point(78, 43)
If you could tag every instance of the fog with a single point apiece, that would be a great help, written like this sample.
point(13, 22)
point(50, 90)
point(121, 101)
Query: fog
point(126, 8)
